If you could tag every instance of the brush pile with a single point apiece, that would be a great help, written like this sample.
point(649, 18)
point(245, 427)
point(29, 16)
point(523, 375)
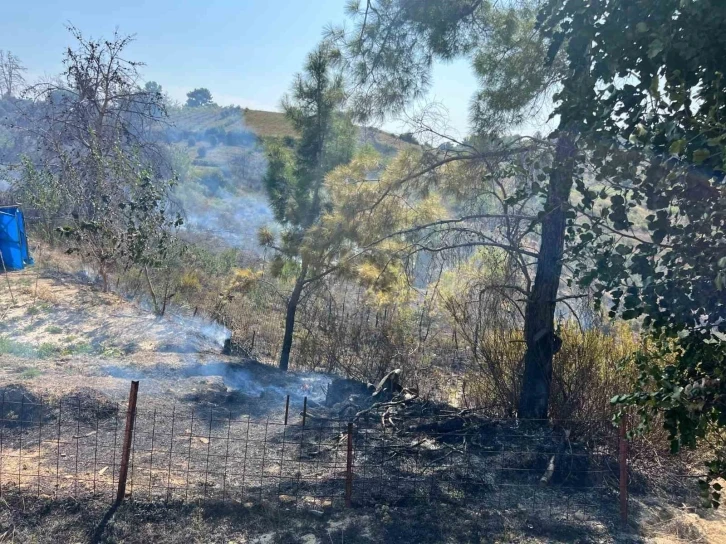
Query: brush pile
point(424, 443)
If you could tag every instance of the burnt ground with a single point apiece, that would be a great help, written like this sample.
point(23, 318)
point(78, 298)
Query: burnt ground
point(48, 521)
point(43, 521)
point(62, 341)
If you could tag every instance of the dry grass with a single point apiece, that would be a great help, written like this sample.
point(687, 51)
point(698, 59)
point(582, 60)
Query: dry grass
point(269, 124)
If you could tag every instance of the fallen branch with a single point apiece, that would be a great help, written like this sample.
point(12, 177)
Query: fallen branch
point(547, 476)
point(386, 405)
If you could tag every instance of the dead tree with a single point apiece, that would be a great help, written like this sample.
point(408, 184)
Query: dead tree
point(12, 80)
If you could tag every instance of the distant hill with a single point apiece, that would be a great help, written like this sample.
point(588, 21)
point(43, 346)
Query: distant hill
point(264, 124)
point(222, 144)
point(274, 124)
point(221, 165)
point(217, 155)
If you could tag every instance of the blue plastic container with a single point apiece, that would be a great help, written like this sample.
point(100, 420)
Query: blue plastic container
point(13, 239)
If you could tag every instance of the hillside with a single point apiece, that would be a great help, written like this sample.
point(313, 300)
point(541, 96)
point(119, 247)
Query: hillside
point(220, 162)
point(263, 124)
point(274, 124)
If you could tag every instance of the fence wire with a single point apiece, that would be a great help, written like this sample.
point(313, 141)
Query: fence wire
point(72, 448)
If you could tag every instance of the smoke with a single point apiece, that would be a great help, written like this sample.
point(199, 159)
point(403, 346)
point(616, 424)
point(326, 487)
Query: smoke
point(248, 378)
point(257, 380)
point(233, 219)
point(221, 165)
point(206, 331)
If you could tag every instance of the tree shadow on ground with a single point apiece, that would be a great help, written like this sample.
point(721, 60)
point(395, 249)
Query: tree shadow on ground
point(47, 520)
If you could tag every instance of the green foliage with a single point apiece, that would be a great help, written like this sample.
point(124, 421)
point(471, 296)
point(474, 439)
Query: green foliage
point(111, 351)
point(392, 45)
point(295, 174)
point(645, 86)
point(511, 68)
point(80, 348)
point(408, 137)
point(199, 97)
point(295, 177)
point(126, 222)
point(30, 373)
point(40, 190)
point(47, 349)
point(33, 310)
point(8, 346)
point(153, 87)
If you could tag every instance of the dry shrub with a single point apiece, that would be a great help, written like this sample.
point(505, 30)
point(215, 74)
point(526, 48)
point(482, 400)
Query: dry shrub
point(189, 282)
point(46, 294)
point(493, 380)
point(587, 372)
point(39, 292)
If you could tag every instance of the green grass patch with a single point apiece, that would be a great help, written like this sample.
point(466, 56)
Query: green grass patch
point(54, 329)
point(108, 350)
point(30, 373)
point(82, 348)
point(48, 349)
point(8, 346)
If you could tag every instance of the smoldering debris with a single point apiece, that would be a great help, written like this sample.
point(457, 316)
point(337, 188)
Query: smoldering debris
point(248, 378)
point(203, 328)
point(257, 379)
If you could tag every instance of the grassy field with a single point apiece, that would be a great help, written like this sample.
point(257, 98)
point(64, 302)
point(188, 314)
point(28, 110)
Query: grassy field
point(266, 124)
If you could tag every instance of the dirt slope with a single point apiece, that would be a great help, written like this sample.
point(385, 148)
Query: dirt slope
point(59, 332)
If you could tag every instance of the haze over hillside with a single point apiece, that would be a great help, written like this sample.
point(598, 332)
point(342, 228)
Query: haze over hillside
point(220, 161)
point(218, 156)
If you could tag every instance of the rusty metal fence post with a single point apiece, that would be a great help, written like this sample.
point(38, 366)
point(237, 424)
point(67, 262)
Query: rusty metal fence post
point(623, 463)
point(349, 468)
point(128, 436)
point(287, 408)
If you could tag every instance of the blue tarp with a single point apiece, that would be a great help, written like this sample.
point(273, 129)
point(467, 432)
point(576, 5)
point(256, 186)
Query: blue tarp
point(13, 240)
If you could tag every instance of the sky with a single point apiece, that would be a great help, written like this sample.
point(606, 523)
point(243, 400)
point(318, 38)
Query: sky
point(244, 51)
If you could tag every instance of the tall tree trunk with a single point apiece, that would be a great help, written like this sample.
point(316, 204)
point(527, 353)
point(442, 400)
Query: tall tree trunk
point(539, 323)
point(292, 303)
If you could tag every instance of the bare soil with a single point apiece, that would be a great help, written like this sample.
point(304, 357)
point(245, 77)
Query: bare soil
point(59, 333)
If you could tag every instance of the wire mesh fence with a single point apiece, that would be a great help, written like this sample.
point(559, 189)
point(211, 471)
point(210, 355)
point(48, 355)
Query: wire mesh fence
point(69, 447)
point(73, 447)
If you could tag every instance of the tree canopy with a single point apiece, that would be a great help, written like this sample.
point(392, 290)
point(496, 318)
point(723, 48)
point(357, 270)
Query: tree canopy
point(199, 97)
point(645, 85)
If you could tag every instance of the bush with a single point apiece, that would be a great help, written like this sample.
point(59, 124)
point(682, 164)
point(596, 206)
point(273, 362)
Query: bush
point(189, 282)
point(587, 372)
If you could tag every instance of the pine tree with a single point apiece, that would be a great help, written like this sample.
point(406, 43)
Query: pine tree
point(390, 52)
point(295, 178)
